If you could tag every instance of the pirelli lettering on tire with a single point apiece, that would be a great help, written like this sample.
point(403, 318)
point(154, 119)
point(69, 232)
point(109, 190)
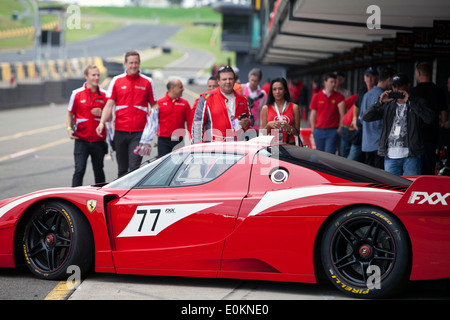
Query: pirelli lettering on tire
point(379, 215)
point(347, 287)
point(69, 221)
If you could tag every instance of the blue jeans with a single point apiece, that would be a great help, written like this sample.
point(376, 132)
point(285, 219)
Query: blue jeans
point(355, 152)
point(409, 166)
point(326, 139)
point(345, 144)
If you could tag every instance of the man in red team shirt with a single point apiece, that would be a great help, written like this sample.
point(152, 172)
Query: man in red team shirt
point(168, 120)
point(325, 116)
point(131, 93)
point(83, 116)
point(221, 114)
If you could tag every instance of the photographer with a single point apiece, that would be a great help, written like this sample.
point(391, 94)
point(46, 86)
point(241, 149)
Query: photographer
point(401, 138)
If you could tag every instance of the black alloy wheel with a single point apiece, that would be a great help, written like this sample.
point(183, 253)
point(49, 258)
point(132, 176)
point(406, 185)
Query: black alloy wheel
point(56, 236)
point(365, 253)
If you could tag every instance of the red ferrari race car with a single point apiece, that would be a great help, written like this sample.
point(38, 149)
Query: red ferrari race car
point(248, 210)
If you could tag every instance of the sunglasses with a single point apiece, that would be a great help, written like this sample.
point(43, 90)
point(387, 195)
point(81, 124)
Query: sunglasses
point(225, 68)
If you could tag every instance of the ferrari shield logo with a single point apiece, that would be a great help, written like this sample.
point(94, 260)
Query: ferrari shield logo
point(91, 205)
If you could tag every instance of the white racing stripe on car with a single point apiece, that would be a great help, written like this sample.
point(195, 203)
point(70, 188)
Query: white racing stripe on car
point(273, 198)
point(151, 220)
point(9, 206)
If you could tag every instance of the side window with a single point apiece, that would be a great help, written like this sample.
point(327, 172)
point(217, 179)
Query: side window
point(162, 174)
point(201, 168)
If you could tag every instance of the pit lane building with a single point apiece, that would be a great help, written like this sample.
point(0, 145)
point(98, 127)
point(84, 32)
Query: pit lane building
point(304, 39)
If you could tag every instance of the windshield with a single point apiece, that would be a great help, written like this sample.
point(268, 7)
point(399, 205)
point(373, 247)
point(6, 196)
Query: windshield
point(335, 165)
point(129, 180)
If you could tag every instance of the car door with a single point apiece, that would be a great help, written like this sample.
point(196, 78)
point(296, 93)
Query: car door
point(177, 218)
point(273, 239)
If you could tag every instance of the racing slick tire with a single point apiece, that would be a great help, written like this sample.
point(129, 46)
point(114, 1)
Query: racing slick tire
point(56, 236)
point(366, 253)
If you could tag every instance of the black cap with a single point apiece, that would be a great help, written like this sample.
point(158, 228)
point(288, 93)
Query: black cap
point(372, 71)
point(400, 79)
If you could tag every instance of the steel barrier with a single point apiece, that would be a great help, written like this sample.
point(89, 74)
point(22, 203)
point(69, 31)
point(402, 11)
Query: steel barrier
point(51, 69)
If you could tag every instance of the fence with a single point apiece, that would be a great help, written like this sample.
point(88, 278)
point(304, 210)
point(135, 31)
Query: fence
point(25, 84)
point(26, 72)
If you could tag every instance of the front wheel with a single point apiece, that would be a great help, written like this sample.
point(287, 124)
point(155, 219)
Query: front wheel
point(365, 253)
point(57, 236)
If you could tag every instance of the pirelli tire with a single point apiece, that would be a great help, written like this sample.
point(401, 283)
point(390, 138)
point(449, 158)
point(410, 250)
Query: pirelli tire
point(365, 253)
point(56, 236)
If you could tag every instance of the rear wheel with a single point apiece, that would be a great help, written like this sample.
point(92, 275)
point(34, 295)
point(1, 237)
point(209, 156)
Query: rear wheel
point(365, 253)
point(57, 236)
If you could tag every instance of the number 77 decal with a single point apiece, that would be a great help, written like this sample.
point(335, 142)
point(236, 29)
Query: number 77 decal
point(151, 220)
point(144, 212)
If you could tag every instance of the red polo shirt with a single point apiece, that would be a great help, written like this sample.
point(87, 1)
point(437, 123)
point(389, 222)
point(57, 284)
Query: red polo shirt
point(132, 95)
point(327, 109)
point(173, 113)
point(81, 103)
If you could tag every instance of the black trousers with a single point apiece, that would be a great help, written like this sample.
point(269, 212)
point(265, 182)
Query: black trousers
point(125, 143)
point(373, 159)
point(82, 150)
point(166, 145)
point(429, 158)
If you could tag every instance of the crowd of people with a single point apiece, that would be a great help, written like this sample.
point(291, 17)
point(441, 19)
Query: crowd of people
point(387, 124)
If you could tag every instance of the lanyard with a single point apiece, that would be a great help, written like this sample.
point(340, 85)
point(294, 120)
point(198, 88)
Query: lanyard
point(278, 111)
